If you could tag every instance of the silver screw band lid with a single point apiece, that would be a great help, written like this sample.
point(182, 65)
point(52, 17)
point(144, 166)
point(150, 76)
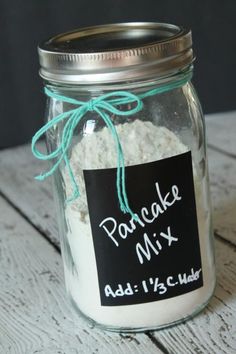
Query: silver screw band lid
point(115, 53)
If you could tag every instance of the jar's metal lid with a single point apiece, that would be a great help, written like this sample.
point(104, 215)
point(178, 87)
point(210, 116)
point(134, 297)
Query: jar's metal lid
point(115, 53)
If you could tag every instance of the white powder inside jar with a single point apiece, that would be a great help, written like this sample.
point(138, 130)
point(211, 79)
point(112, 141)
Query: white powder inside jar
point(142, 142)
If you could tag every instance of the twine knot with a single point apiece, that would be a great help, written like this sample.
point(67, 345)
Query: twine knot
point(91, 104)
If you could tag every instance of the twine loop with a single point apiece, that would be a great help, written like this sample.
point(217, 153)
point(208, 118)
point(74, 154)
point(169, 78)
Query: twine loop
point(104, 105)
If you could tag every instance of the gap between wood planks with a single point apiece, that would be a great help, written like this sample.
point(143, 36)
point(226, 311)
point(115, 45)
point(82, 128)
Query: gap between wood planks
point(221, 151)
point(26, 218)
point(222, 239)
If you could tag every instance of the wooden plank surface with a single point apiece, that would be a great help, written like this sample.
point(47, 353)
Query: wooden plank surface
point(213, 331)
point(34, 199)
point(35, 314)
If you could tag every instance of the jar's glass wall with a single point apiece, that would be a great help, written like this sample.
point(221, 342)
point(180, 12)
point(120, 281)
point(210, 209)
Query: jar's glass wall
point(175, 120)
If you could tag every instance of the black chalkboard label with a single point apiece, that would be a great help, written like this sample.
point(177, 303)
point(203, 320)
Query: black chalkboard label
point(157, 256)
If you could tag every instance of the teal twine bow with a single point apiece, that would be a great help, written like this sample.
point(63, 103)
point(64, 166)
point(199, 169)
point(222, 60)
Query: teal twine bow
point(102, 105)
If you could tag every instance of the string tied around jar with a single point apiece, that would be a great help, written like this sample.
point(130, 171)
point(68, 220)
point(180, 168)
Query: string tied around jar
point(104, 105)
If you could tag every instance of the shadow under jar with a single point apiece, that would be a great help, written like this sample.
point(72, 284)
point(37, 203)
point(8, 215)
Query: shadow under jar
point(125, 136)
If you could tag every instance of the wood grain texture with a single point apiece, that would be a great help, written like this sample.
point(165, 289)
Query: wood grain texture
point(35, 199)
point(35, 315)
point(214, 329)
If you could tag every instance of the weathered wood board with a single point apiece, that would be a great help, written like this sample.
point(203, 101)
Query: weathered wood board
point(35, 316)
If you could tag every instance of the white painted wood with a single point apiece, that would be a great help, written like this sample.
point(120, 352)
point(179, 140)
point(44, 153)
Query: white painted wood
point(17, 170)
point(35, 315)
point(221, 131)
point(213, 330)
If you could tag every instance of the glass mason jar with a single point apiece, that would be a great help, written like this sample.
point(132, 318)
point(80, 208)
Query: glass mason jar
point(126, 139)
